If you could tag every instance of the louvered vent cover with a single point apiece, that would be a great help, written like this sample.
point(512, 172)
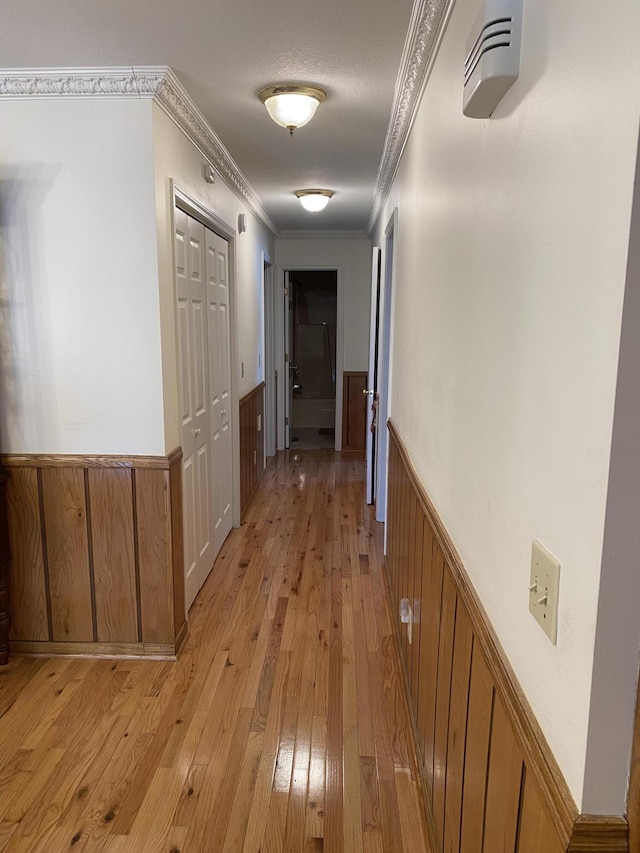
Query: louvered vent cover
point(492, 62)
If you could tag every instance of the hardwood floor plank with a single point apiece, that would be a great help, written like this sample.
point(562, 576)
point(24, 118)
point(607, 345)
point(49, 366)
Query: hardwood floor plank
point(282, 726)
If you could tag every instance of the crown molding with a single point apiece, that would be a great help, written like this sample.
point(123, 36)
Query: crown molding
point(428, 21)
point(160, 84)
point(322, 235)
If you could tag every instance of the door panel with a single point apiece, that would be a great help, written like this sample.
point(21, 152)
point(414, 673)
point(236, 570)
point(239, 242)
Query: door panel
point(220, 384)
point(193, 378)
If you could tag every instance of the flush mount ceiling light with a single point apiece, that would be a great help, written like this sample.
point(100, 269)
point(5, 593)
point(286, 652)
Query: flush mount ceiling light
point(290, 105)
point(314, 200)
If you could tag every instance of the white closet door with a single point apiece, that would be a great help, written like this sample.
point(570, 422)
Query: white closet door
point(220, 384)
point(194, 394)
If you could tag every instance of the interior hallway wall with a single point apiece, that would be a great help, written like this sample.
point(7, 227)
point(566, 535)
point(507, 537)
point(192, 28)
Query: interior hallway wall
point(511, 251)
point(79, 317)
point(177, 158)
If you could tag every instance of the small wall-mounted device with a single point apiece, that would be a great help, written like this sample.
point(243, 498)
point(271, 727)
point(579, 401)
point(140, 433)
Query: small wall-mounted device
point(209, 173)
point(492, 63)
point(242, 223)
point(406, 617)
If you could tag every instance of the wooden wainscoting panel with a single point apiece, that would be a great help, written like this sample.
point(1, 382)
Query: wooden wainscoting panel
point(443, 700)
point(252, 446)
point(490, 779)
point(433, 566)
point(481, 697)
point(153, 526)
point(114, 568)
point(28, 587)
point(98, 564)
point(65, 515)
point(354, 412)
point(419, 579)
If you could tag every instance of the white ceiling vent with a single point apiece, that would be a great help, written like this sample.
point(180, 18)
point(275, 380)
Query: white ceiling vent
point(492, 63)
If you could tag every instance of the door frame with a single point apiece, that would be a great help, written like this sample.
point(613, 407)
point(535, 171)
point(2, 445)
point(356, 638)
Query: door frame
point(183, 199)
point(385, 364)
point(280, 338)
point(269, 371)
point(372, 372)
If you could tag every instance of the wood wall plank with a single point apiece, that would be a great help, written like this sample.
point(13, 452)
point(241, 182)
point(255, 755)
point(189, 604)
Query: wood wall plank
point(443, 700)
point(28, 595)
point(111, 501)
point(177, 549)
point(252, 447)
point(417, 610)
point(434, 565)
point(481, 697)
point(67, 553)
point(153, 522)
point(408, 577)
point(504, 778)
point(460, 680)
point(536, 832)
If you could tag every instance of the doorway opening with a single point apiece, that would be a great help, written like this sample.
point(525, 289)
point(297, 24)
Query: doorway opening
point(312, 321)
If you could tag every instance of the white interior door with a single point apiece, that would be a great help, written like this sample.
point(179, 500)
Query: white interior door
point(220, 384)
point(373, 373)
point(194, 392)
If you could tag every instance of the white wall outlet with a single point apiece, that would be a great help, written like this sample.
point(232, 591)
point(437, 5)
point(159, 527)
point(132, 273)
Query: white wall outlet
point(544, 587)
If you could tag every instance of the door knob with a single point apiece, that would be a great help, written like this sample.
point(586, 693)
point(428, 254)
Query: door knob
point(197, 431)
point(367, 392)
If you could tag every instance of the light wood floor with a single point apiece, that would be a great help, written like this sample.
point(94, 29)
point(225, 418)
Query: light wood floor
point(283, 725)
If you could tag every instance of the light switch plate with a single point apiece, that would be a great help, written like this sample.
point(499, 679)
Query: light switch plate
point(544, 586)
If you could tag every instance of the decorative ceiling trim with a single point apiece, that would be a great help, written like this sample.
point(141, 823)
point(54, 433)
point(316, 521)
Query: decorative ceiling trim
point(427, 24)
point(158, 83)
point(322, 235)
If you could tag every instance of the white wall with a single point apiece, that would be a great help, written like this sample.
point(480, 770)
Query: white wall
point(79, 314)
point(352, 258)
point(511, 251)
point(177, 158)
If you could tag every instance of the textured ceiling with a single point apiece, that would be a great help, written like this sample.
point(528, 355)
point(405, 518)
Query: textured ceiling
point(223, 51)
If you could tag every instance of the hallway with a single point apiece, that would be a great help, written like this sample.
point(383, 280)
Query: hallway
point(283, 726)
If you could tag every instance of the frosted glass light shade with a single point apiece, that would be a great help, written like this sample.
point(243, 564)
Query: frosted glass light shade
point(314, 200)
point(291, 106)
